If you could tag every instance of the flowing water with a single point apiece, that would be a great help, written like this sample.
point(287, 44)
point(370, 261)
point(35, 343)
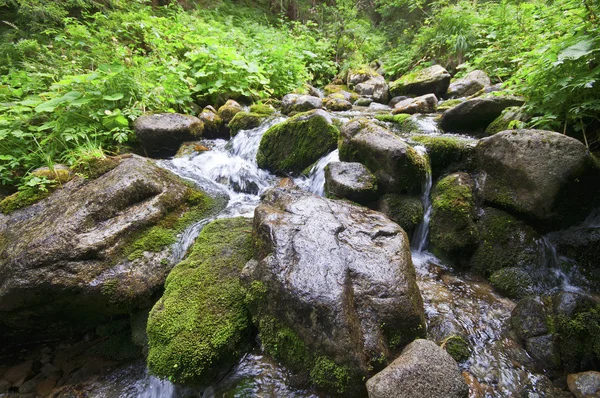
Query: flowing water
point(459, 301)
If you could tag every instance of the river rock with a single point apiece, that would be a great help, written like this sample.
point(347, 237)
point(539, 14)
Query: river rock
point(399, 168)
point(454, 235)
point(582, 244)
point(294, 103)
point(513, 282)
point(337, 104)
point(162, 134)
point(200, 327)
point(352, 181)
point(213, 125)
point(446, 154)
point(376, 87)
point(92, 249)
point(397, 99)
point(511, 119)
point(295, 144)
point(423, 370)
point(229, 110)
point(245, 121)
point(545, 176)
point(432, 80)
point(338, 294)
point(468, 85)
point(363, 101)
point(529, 318)
point(423, 104)
point(584, 384)
point(17, 375)
point(407, 211)
point(474, 115)
point(357, 76)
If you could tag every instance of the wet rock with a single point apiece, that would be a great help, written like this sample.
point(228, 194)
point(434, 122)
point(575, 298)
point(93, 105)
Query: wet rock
point(399, 168)
point(543, 350)
point(295, 144)
point(474, 115)
point(229, 110)
point(364, 101)
point(294, 103)
point(422, 370)
point(378, 107)
point(447, 154)
point(245, 121)
point(432, 80)
point(406, 211)
point(357, 76)
point(340, 92)
point(423, 104)
point(161, 134)
point(4, 386)
point(585, 384)
point(448, 104)
point(92, 249)
point(200, 327)
point(511, 119)
point(337, 104)
point(454, 235)
point(530, 318)
point(338, 294)
point(352, 181)
point(262, 109)
point(582, 244)
point(29, 386)
point(397, 99)
point(545, 176)
point(376, 87)
point(512, 282)
point(504, 241)
point(214, 126)
point(45, 387)
point(17, 375)
point(567, 304)
point(468, 85)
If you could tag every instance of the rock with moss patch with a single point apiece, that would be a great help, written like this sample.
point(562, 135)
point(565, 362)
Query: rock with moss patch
point(424, 104)
point(92, 249)
point(214, 126)
point(475, 115)
point(245, 121)
point(262, 109)
point(402, 122)
point(294, 103)
point(545, 176)
point(458, 347)
point(363, 101)
point(407, 211)
point(453, 234)
point(447, 154)
point(295, 144)
point(59, 173)
point(432, 80)
point(200, 327)
point(352, 181)
point(513, 282)
point(399, 168)
point(229, 110)
point(161, 134)
point(511, 119)
point(337, 104)
point(423, 370)
point(360, 75)
point(469, 84)
point(504, 242)
point(447, 104)
point(338, 297)
point(375, 87)
point(582, 244)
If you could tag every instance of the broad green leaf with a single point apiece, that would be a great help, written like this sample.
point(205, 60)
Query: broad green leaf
point(577, 50)
point(113, 97)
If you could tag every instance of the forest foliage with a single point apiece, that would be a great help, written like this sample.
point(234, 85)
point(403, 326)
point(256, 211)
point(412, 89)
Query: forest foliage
point(74, 74)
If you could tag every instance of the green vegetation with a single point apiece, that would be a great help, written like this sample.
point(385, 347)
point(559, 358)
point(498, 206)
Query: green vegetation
point(444, 152)
point(201, 327)
point(457, 347)
point(406, 211)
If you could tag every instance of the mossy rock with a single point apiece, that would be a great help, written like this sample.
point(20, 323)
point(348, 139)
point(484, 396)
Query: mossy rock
point(511, 119)
point(434, 79)
point(200, 327)
point(245, 121)
point(445, 105)
point(334, 88)
point(59, 173)
point(458, 348)
point(24, 198)
point(403, 122)
point(447, 153)
point(406, 211)
point(512, 282)
point(229, 110)
point(295, 144)
point(454, 235)
point(262, 109)
point(504, 242)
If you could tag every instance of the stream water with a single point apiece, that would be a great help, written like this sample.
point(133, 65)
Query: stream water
point(454, 300)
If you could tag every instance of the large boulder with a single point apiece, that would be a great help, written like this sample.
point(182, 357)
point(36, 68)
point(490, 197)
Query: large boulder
point(245, 121)
point(423, 370)
point(294, 103)
point(337, 294)
point(361, 75)
point(352, 181)
point(407, 211)
point(376, 87)
point(200, 327)
point(295, 144)
point(447, 153)
point(399, 168)
point(162, 134)
point(229, 110)
point(545, 176)
point(453, 234)
point(423, 104)
point(474, 115)
point(334, 103)
point(511, 119)
point(93, 249)
point(432, 80)
point(468, 85)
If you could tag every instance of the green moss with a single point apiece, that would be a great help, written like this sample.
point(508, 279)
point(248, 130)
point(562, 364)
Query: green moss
point(328, 375)
point(510, 119)
point(21, 199)
point(444, 106)
point(153, 240)
point(295, 144)
point(406, 211)
point(262, 109)
point(334, 88)
point(457, 347)
point(444, 152)
point(402, 122)
point(512, 282)
point(201, 327)
point(245, 121)
point(94, 167)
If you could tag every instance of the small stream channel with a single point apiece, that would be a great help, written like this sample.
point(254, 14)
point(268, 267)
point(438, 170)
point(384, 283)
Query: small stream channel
point(463, 301)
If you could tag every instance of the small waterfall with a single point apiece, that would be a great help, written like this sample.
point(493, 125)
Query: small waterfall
point(315, 182)
point(419, 242)
point(156, 388)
